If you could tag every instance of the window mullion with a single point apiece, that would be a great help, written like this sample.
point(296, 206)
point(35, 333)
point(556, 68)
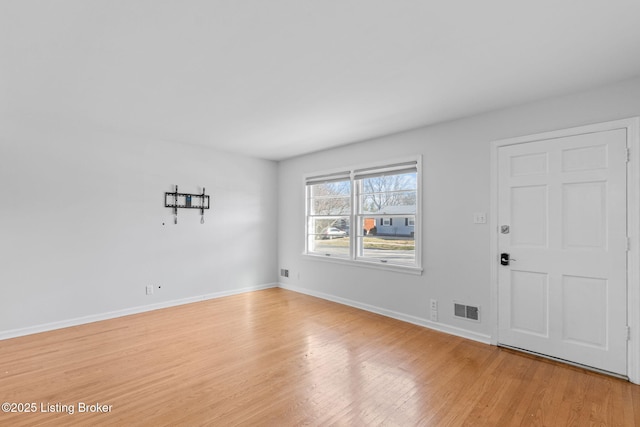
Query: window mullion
point(355, 206)
point(308, 221)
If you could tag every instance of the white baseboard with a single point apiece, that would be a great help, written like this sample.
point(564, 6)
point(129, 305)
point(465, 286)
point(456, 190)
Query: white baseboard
point(13, 333)
point(464, 333)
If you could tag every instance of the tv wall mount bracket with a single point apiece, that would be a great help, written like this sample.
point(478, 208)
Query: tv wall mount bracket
point(177, 200)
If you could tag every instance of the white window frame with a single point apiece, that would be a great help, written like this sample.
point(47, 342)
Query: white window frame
point(353, 259)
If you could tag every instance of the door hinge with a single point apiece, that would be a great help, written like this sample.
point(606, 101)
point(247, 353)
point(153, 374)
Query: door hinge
point(628, 244)
point(628, 155)
point(628, 333)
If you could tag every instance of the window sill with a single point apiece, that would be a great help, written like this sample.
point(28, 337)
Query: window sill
point(376, 265)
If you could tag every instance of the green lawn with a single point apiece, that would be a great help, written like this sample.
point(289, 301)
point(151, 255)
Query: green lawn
point(374, 242)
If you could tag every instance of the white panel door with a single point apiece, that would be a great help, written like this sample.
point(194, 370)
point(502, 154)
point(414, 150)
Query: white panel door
point(564, 292)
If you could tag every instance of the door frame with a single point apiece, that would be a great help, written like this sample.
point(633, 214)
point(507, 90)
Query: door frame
point(632, 125)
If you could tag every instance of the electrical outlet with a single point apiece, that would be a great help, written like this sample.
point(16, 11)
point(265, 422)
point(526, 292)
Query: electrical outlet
point(149, 289)
point(433, 304)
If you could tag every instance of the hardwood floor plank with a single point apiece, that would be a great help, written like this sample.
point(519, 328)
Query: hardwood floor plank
point(275, 357)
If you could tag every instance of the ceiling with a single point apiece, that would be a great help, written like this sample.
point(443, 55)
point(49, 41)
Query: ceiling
point(276, 79)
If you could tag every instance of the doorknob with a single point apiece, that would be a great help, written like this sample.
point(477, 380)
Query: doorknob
point(505, 259)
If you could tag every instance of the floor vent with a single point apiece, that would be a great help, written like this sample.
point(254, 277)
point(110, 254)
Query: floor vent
point(470, 312)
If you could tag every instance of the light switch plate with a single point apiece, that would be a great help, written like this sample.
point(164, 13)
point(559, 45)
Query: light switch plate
point(480, 218)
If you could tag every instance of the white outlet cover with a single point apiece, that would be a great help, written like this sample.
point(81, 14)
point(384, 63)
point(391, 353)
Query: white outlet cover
point(480, 218)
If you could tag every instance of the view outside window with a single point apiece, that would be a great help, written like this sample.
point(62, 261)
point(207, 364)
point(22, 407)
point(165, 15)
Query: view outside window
point(386, 217)
point(328, 219)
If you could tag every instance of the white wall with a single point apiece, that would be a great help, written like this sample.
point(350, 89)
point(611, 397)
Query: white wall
point(456, 184)
point(81, 225)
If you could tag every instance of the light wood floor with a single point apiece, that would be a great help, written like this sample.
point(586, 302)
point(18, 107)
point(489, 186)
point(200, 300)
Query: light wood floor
point(279, 358)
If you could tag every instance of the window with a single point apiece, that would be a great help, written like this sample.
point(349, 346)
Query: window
point(382, 204)
point(329, 215)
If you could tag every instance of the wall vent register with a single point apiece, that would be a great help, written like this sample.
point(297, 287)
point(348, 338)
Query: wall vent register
point(469, 312)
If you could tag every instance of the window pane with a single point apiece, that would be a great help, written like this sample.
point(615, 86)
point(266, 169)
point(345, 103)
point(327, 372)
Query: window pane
point(380, 225)
point(393, 249)
point(329, 235)
point(390, 203)
point(333, 198)
point(393, 194)
point(388, 238)
point(330, 206)
point(325, 226)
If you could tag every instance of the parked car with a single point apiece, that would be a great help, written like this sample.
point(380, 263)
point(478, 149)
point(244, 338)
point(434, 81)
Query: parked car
point(332, 233)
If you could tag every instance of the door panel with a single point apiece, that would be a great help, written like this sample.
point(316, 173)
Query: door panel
point(583, 159)
point(529, 216)
point(585, 215)
point(565, 292)
point(529, 302)
point(584, 309)
point(529, 164)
